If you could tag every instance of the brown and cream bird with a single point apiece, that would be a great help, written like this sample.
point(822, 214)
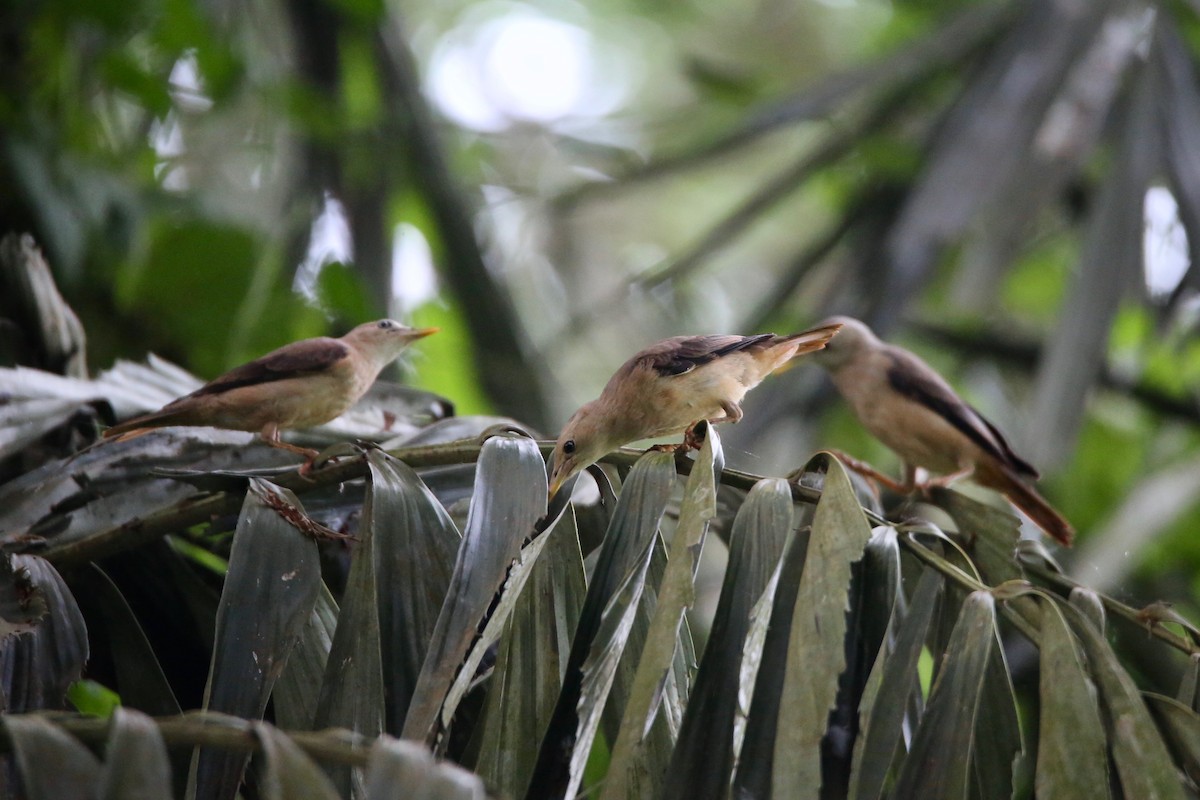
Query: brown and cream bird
point(670, 386)
point(300, 385)
point(905, 404)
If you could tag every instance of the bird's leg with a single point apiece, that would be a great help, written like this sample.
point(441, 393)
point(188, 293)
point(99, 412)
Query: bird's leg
point(733, 412)
point(868, 471)
point(270, 435)
point(944, 481)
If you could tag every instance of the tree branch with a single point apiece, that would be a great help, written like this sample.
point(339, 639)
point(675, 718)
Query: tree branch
point(509, 377)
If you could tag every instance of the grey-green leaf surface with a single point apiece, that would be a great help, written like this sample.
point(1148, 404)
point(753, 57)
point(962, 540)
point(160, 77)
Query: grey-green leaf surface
point(998, 729)
point(22, 603)
point(136, 766)
point(270, 588)
point(608, 610)
point(286, 772)
point(990, 532)
point(676, 593)
point(37, 742)
point(701, 764)
point(1189, 687)
point(509, 496)
point(416, 544)
point(1072, 747)
point(1143, 762)
point(352, 688)
point(531, 661)
point(940, 760)
point(1180, 726)
point(299, 686)
point(1090, 605)
point(398, 766)
point(765, 657)
point(498, 616)
point(882, 715)
point(37, 667)
point(816, 649)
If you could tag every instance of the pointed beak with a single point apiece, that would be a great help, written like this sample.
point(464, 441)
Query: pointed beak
point(556, 483)
point(421, 333)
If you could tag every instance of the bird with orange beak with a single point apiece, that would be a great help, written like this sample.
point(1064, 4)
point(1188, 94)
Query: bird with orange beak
point(906, 405)
point(670, 386)
point(300, 385)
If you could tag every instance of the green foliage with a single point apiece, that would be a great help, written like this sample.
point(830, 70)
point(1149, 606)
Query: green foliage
point(93, 699)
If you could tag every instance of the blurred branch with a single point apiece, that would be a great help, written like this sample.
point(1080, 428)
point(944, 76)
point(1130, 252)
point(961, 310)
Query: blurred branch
point(1026, 354)
point(800, 266)
point(949, 44)
point(509, 377)
point(44, 330)
point(837, 144)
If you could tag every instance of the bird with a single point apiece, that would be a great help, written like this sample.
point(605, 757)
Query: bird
point(299, 385)
point(670, 386)
point(909, 407)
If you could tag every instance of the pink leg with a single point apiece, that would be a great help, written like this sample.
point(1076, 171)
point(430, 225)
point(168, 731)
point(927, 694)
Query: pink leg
point(868, 471)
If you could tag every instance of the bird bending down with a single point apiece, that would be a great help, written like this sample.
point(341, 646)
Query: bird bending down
point(911, 409)
point(669, 386)
point(300, 385)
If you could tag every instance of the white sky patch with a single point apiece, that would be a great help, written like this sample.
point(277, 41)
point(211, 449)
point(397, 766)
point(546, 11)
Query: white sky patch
point(186, 85)
point(166, 137)
point(414, 280)
point(1164, 242)
point(536, 68)
point(329, 241)
point(518, 64)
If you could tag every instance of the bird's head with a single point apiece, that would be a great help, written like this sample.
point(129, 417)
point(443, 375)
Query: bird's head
point(850, 340)
point(584, 439)
point(384, 339)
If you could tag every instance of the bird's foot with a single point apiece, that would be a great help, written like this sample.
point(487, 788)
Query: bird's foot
point(693, 437)
point(868, 471)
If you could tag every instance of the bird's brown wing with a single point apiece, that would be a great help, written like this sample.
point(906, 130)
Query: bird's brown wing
point(684, 353)
point(914, 380)
point(289, 361)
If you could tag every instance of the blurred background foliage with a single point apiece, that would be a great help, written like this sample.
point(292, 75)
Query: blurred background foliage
point(1011, 188)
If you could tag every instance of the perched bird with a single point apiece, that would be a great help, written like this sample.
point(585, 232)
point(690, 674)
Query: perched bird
point(670, 386)
point(911, 409)
point(300, 385)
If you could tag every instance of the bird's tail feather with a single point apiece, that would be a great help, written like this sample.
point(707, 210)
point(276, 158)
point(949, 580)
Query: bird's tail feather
point(157, 419)
point(805, 342)
point(1026, 498)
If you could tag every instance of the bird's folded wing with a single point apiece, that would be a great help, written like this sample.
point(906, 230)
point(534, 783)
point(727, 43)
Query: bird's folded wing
point(685, 353)
point(914, 380)
point(290, 361)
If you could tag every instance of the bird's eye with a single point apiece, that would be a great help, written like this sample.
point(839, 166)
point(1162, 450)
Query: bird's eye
point(386, 323)
point(568, 447)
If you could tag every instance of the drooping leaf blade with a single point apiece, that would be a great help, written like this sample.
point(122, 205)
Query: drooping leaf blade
point(608, 608)
point(940, 762)
point(270, 589)
point(702, 763)
point(509, 496)
point(675, 594)
point(416, 546)
point(816, 648)
point(136, 766)
point(1072, 747)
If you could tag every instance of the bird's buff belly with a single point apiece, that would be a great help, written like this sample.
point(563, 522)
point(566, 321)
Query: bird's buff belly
point(288, 404)
point(917, 435)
